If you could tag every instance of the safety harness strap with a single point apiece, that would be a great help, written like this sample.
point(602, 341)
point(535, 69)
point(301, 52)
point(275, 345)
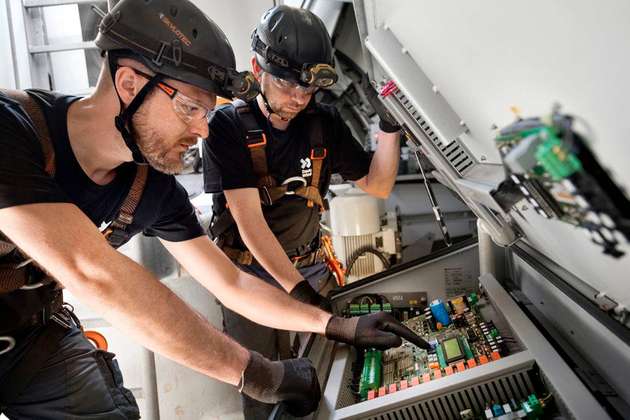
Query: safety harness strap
point(40, 127)
point(15, 273)
point(256, 142)
point(318, 154)
point(18, 272)
point(116, 233)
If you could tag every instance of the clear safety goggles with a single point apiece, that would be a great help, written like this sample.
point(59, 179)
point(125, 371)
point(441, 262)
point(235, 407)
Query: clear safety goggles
point(289, 86)
point(186, 108)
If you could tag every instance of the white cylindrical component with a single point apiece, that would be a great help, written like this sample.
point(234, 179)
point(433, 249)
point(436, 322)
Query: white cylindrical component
point(354, 212)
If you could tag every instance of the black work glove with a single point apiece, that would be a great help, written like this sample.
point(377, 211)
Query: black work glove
point(379, 330)
point(304, 292)
point(387, 123)
point(293, 381)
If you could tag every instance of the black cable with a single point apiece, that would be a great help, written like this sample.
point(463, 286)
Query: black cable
point(364, 250)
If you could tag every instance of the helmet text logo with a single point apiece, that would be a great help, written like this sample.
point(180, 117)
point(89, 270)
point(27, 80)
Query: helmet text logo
point(179, 34)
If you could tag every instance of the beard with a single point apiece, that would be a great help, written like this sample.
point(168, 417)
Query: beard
point(159, 151)
point(280, 111)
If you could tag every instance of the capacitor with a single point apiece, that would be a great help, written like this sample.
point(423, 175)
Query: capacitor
point(428, 316)
point(439, 312)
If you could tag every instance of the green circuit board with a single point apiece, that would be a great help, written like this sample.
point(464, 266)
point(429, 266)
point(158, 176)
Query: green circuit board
point(466, 342)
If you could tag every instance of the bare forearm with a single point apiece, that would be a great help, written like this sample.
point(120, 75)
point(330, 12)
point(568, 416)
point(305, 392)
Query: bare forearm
point(384, 166)
point(153, 315)
point(132, 299)
point(274, 308)
point(243, 293)
point(264, 245)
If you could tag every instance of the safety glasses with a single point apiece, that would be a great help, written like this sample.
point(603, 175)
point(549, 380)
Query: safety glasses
point(186, 108)
point(289, 86)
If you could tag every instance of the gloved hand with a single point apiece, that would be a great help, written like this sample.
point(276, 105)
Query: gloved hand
point(387, 123)
point(304, 292)
point(379, 330)
point(293, 381)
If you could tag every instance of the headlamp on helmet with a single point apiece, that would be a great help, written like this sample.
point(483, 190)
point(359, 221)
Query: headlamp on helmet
point(322, 75)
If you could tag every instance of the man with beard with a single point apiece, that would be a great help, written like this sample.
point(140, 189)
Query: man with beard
point(69, 164)
point(269, 161)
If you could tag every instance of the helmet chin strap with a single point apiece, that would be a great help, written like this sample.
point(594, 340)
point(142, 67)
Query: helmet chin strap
point(270, 110)
point(123, 120)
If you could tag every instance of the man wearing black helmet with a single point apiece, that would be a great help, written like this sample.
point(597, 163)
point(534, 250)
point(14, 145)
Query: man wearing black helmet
point(270, 162)
point(70, 164)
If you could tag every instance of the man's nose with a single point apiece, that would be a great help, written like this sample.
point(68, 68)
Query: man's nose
point(199, 128)
point(300, 96)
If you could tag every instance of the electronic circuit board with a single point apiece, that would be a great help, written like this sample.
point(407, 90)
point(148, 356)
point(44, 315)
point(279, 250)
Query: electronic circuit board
point(461, 341)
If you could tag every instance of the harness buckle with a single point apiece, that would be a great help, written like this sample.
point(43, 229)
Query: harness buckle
point(255, 139)
point(319, 153)
point(292, 179)
point(265, 196)
point(10, 343)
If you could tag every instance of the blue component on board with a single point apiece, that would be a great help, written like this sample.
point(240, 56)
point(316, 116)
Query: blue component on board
point(438, 309)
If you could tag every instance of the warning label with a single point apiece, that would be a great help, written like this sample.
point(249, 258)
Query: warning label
point(458, 281)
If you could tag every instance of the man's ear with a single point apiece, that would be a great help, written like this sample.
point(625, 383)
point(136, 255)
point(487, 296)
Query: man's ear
point(256, 69)
point(127, 84)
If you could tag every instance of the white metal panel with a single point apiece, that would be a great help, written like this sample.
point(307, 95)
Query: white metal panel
point(7, 73)
point(486, 57)
point(237, 18)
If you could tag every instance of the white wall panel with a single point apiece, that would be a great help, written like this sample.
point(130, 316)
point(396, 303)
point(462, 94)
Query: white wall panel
point(488, 56)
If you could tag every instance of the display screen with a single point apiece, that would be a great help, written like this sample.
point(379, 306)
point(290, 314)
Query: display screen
point(452, 349)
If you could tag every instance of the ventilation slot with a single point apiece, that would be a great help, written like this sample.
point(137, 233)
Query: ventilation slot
point(517, 385)
point(454, 152)
point(365, 264)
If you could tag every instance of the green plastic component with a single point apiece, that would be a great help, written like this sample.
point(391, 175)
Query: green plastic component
point(365, 308)
point(355, 309)
point(520, 135)
point(387, 307)
point(494, 333)
point(440, 355)
point(535, 405)
point(473, 298)
point(557, 160)
point(371, 373)
point(467, 351)
point(375, 307)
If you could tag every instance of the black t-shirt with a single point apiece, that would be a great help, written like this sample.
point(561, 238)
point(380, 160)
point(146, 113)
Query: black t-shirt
point(164, 209)
point(228, 165)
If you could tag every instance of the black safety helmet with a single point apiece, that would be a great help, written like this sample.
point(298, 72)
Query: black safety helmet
point(178, 40)
point(175, 40)
point(294, 44)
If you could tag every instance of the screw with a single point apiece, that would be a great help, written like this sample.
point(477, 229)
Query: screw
point(524, 207)
point(403, 50)
point(435, 90)
point(483, 158)
point(462, 123)
point(493, 127)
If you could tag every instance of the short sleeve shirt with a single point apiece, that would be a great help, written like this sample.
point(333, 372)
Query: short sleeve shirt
point(164, 209)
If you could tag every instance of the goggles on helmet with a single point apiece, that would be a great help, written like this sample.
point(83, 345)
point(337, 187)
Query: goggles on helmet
point(321, 75)
point(242, 85)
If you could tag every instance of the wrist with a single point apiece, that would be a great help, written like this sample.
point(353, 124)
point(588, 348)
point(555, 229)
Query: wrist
point(324, 320)
point(342, 329)
point(388, 127)
point(305, 293)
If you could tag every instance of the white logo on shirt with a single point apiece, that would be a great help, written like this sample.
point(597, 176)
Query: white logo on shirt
point(306, 167)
